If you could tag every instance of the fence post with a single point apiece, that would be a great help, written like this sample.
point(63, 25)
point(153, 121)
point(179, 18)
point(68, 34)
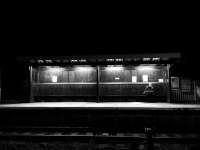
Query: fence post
point(194, 91)
point(149, 133)
point(30, 84)
point(169, 92)
point(97, 83)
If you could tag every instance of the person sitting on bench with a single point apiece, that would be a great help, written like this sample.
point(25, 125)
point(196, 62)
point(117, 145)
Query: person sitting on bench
point(149, 90)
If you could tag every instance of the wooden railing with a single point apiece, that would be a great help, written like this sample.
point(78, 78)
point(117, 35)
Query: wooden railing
point(183, 96)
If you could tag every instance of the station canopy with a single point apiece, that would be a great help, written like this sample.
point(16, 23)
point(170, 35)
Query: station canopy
point(103, 59)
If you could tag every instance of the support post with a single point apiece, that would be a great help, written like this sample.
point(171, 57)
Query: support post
point(150, 144)
point(169, 84)
point(31, 84)
point(97, 86)
point(194, 91)
point(0, 83)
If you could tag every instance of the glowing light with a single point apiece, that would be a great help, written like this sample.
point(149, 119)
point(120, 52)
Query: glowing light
point(145, 78)
point(55, 69)
point(109, 59)
point(117, 78)
point(40, 61)
point(82, 60)
point(84, 69)
point(156, 59)
point(134, 78)
point(54, 79)
point(146, 59)
point(74, 60)
point(48, 61)
point(119, 59)
point(145, 68)
point(161, 80)
point(114, 68)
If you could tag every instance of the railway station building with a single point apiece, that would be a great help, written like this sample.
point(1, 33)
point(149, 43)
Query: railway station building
point(102, 78)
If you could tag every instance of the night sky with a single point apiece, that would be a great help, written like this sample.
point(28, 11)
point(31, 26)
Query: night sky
point(53, 46)
point(43, 34)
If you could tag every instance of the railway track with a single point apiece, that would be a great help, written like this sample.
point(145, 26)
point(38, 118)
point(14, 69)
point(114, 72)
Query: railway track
point(96, 141)
point(86, 133)
point(101, 126)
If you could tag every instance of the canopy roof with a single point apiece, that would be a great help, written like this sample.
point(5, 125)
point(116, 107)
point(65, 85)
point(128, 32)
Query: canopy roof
point(111, 58)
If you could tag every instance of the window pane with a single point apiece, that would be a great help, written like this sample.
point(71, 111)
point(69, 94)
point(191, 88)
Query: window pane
point(82, 74)
point(115, 74)
point(68, 81)
point(48, 74)
point(132, 81)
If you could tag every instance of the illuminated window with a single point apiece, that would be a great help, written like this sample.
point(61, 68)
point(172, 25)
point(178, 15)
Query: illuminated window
point(145, 78)
point(134, 78)
point(161, 80)
point(54, 79)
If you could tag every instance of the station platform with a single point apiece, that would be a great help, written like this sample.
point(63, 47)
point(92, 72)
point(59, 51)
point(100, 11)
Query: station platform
point(103, 105)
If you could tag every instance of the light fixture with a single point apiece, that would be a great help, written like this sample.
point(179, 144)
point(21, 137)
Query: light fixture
point(54, 69)
point(40, 61)
point(82, 60)
point(145, 68)
point(156, 59)
point(48, 61)
point(145, 78)
point(117, 78)
point(74, 60)
point(118, 59)
point(146, 59)
point(109, 59)
point(54, 78)
point(161, 80)
point(114, 68)
point(83, 68)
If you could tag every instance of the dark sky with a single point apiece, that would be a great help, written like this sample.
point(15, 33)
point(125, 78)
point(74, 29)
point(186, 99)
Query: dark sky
point(49, 34)
point(56, 45)
point(47, 43)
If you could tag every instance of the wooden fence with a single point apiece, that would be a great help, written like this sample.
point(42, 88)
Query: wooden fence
point(187, 94)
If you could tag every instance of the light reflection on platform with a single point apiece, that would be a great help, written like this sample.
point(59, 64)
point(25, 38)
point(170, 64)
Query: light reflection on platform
point(117, 105)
